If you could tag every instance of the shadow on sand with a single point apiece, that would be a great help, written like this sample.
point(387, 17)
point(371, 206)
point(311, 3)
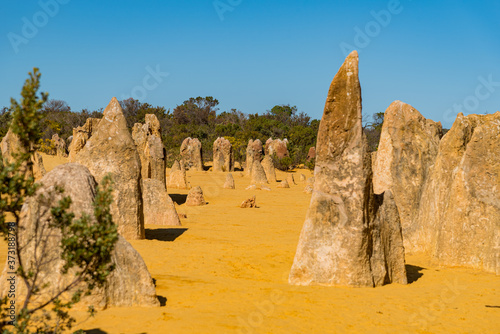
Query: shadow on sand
point(95, 331)
point(178, 198)
point(164, 234)
point(413, 273)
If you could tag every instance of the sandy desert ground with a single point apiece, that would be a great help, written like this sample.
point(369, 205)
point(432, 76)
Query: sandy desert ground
point(225, 271)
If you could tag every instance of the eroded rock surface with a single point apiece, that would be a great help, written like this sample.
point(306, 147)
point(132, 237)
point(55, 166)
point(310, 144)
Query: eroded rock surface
point(223, 156)
point(191, 154)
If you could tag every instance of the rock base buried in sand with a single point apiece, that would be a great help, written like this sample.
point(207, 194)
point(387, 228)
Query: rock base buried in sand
point(195, 197)
point(159, 209)
point(283, 184)
point(249, 203)
point(229, 184)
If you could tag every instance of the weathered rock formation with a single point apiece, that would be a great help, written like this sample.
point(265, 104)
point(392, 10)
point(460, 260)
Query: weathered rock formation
point(302, 178)
point(311, 154)
point(80, 136)
point(147, 138)
point(229, 184)
point(130, 284)
point(195, 197)
point(408, 147)
point(269, 169)
point(254, 152)
point(60, 146)
point(159, 209)
point(223, 156)
point(290, 179)
point(249, 203)
point(191, 154)
point(11, 146)
point(175, 167)
point(278, 147)
point(284, 184)
point(350, 237)
point(177, 179)
point(308, 189)
point(258, 173)
point(111, 150)
point(459, 215)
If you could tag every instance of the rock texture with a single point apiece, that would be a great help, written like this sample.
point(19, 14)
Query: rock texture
point(284, 184)
point(177, 179)
point(11, 146)
point(111, 150)
point(60, 146)
point(130, 284)
point(291, 179)
point(195, 197)
point(269, 169)
point(223, 156)
point(302, 177)
point(175, 167)
point(311, 154)
point(191, 154)
point(408, 147)
point(147, 138)
point(229, 184)
point(459, 214)
point(249, 203)
point(308, 189)
point(80, 136)
point(258, 173)
point(350, 237)
point(159, 209)
point(278, 147)
point(255, 151)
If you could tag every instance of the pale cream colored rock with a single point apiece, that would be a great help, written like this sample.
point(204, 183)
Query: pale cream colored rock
point(283, 184)
point(130, 284)
point(308, 189)
point(254, 152)
point(407, 149)
point(291, 180)
point(223, 156)
point(258, 174)
point(302, 177)
point(350, 236)
point(191, 154)
point(229, 184)
point(277, 147)
point(80, 136)
point(195, 197)
point(111, 150)
point(178, 180)
point(459, 214)
point(269, 169)
point(11, 146)
point(60, 146)
point(159, 209)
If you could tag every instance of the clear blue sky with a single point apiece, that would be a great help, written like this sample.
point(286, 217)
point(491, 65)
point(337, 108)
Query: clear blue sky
point(431, 54)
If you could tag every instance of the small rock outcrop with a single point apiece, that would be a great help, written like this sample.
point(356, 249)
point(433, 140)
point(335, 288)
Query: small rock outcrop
point(159, 209)
point(283, 184)
point(59, 146)
point(249, 203)
point(177, 179)
point(195, 197)
point(311, 154)
point(269, 169)
point(147, 138)
point(459, 216)
point(11, 145)
point(302, 178)
point(408, 147)
point(229, 184)
point(350, 237)
point(130, 284)
point(111, 150)
point(277, 147)
point(255, 151)
point(258, 173)
point(191, 154)
point(223, 156)
point(291, 180)
point(80, 136)
point(175, 166)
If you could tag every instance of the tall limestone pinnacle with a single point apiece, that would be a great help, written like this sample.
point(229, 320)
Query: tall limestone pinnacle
point(111, 149)
point(350, 237)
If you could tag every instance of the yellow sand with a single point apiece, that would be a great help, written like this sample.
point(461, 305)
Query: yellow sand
point(226, 271)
